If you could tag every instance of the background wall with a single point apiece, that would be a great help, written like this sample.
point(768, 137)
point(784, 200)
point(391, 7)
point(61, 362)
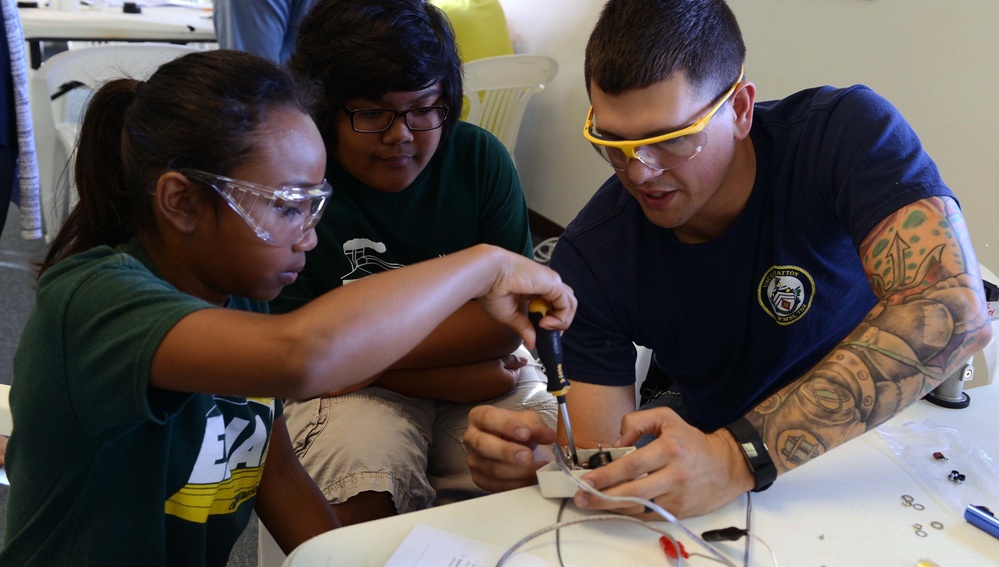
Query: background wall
point(937, 62)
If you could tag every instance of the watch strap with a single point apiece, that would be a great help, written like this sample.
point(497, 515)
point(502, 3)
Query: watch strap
point(756, 453)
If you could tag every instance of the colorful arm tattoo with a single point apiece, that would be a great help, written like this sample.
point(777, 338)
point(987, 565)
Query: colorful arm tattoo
point(930, 319)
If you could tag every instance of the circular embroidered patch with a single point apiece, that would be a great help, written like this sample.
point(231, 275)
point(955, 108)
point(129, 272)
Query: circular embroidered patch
point(786, 293)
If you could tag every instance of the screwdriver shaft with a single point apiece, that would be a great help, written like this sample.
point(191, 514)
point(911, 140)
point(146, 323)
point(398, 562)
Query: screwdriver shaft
point(549, 346)
point(568, 428)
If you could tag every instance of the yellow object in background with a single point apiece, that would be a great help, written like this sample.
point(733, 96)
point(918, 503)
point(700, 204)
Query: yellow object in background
point(479, 27)
point(480, 30)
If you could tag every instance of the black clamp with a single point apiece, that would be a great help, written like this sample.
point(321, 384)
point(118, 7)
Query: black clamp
point(991, 291)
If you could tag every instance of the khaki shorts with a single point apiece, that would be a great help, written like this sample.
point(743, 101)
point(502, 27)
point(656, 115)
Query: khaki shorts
point(377, 440)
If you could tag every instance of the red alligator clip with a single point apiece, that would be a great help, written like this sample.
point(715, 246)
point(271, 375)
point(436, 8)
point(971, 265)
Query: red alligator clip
point(670, 550)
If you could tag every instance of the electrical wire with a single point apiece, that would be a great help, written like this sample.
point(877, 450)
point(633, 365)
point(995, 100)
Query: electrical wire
point(749, 519)
point(734, 534)
point(565, 467)
point(588, 519)
point(773, 556)
point(558, 532)
point(543, 251)
point(731, 534)
point(558, 539)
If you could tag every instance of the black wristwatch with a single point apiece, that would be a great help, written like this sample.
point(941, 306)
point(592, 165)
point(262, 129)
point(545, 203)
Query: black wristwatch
point(755, 450)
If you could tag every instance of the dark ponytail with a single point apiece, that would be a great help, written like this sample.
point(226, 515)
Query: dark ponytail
point(197, 112)
point(106, 211)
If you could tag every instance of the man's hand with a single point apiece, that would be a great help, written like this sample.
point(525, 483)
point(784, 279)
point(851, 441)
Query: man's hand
point(500, 445)
point(684, 470)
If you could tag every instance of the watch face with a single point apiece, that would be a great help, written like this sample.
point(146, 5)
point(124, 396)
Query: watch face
point(750, 450)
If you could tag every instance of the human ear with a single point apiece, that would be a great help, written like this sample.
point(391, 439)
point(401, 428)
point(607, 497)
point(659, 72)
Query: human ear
point(743, 101)
point(177, 201)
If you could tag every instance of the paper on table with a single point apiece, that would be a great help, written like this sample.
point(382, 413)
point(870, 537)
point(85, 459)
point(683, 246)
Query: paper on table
point(427, 546)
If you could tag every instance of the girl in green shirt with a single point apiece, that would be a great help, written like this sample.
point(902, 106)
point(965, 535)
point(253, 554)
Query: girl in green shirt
point(148, 381)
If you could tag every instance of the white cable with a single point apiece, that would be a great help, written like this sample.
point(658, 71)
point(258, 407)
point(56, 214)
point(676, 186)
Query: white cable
point(773, 556)
point(600, 518)
point(749, 517)
point(543, 251)
point(564, 466)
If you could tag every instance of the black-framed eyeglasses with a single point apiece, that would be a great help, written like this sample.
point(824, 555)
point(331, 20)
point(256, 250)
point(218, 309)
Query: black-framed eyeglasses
point(372, 120)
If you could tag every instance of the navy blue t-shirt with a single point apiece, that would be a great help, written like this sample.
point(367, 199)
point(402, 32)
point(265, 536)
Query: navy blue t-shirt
point(735, 318)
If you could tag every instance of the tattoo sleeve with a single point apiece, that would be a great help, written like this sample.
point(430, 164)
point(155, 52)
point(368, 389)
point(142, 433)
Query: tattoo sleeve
point(930, 319)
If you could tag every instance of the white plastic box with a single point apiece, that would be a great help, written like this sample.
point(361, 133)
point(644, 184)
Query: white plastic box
point(555, 484)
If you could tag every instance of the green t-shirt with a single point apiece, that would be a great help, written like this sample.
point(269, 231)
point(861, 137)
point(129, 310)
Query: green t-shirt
point(468, 194)
point(104, 469)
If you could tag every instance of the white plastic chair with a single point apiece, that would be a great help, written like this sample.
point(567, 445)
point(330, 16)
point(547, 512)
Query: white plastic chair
point(55, 123)
point(499, 88)
point(6, 421)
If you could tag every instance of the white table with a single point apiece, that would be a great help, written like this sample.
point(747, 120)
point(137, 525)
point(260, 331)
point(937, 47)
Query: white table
point(842, 509)
point(175, 24)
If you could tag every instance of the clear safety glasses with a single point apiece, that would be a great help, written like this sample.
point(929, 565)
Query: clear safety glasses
point(278, 215)
point(666, 151)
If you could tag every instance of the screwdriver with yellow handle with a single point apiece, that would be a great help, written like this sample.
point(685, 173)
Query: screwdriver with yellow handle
point(549, 346)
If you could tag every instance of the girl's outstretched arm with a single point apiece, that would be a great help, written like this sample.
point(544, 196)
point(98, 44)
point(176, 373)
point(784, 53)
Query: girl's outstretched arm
point(350, 334)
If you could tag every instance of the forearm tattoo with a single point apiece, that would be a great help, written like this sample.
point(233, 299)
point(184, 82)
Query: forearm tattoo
point(930, 320)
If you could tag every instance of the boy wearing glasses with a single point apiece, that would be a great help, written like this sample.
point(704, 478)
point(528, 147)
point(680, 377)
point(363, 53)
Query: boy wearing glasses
point(798, 267)
point(410, 183)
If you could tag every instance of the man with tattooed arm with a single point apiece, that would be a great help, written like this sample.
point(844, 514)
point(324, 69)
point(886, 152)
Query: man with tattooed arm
point(798, 267)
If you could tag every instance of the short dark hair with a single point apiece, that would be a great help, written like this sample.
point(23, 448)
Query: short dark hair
point(638, 43)
point(359, 48)
point(199, 111)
